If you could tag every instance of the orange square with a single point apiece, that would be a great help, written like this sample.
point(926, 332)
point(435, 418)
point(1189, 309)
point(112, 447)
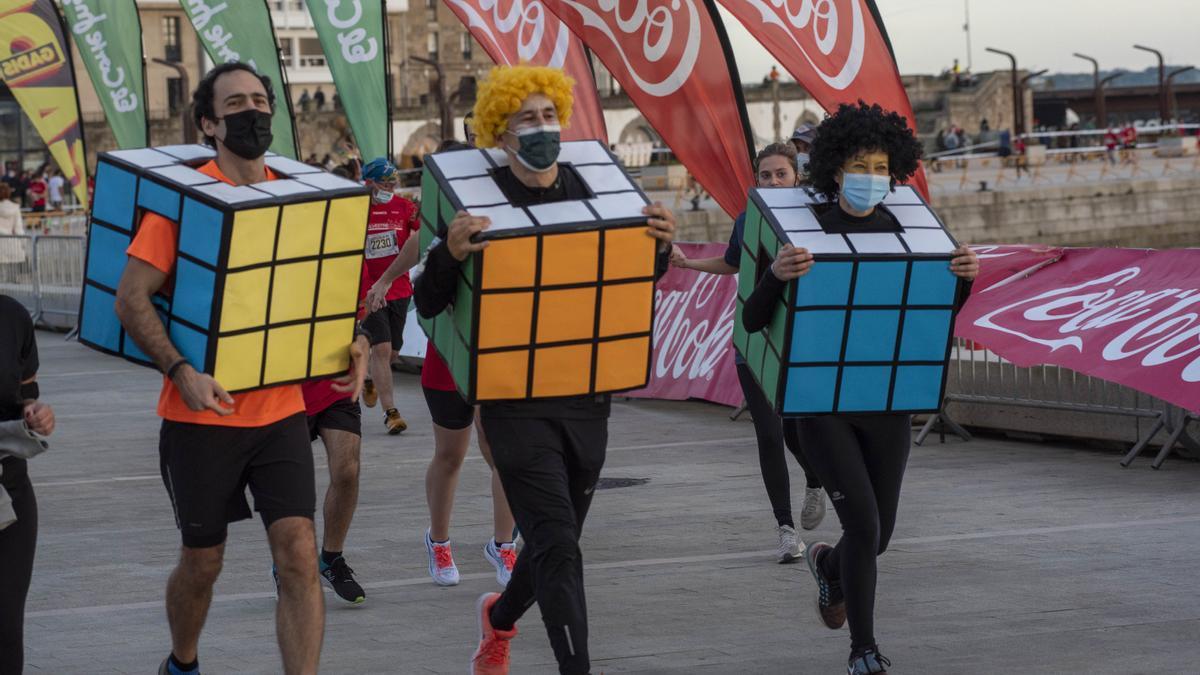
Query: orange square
point(622, 364)
point(628, 253)
point(562, 371)
point(502, 375)
point(569, 314)
point(505, 319)
point(626, 308)
point(570, 258)
point(510, 263)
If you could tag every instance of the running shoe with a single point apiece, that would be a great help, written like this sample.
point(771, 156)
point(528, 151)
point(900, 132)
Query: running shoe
point(370, 395)
point(814, 508)
point(491, 656)
point(441, 562)
point(502, 557)
point(870, 662)
point(394, 422)
point(165, 668)
point(338, 576)
point(789, 544)
point(830, 603)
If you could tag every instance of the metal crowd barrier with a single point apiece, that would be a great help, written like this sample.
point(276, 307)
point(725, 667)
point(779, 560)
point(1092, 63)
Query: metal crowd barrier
point(45, 274)
point(979, 376)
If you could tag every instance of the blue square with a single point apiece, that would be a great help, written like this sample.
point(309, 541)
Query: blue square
point(817, 336)
point(191, 344)
point(880, 283)
point(200, 231)
point(98, 323)
point(161, 200)
point(809, 390)
point(864, 388)
point(193, 295)
point(872, 335)
point(931, 283)
point(106, 255)
point(926, 334)
point(826, 284)
point(132, 351)
point(918, 388)
point(115, 192)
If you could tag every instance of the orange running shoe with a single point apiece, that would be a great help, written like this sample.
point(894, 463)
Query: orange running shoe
point(370, 396)
point(394, 422)
point(491, 658)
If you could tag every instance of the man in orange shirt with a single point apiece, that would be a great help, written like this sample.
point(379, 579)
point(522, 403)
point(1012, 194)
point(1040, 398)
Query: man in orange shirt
point(213, 445)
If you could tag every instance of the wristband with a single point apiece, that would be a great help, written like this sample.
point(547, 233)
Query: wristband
point(30, 390)
point(175, 368)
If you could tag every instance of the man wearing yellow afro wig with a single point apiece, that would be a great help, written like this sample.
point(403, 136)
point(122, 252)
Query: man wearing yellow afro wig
point(548, 452)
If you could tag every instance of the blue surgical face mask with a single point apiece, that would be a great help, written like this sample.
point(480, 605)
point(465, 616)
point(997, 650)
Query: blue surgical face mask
point(864, 191)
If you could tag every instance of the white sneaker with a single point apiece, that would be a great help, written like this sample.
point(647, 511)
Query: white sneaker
point(441, 562)
point(789, 544)
point(814, 508)
point(502, 557)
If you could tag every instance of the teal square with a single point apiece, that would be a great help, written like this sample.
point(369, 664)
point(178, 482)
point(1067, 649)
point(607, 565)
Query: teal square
point(864, 389)
point(162, 200)
point(106, 255)
point(200, 231)
point(872, 335)
point(926, 334)
point(194, 292)
point(880, 283)
point(931, 283)
point(827, 284)
point(98, 322)
point(113, 201)
point(918, 388)
point(817, 335)
point(809, 390)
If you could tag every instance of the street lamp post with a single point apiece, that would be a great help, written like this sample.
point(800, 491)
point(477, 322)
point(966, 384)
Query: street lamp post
point(1018, 99)
point(1097, 91)
point(1162, 82)
point(1171, 90)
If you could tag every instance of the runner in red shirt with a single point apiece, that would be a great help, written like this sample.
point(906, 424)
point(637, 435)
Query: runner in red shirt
point(393, 219)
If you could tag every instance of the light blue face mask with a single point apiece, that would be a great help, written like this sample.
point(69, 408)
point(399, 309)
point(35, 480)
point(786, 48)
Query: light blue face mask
point(864, 191)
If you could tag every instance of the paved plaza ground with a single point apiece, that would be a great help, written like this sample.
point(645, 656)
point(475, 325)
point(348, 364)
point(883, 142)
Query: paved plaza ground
point(1009, 557)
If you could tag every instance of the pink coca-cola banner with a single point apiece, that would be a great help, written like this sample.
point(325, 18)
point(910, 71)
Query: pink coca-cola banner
point(693, 331)
point(1130, 316)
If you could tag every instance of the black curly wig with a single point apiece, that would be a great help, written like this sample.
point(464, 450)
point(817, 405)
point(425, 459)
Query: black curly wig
point(853, 129)
point(203, 104)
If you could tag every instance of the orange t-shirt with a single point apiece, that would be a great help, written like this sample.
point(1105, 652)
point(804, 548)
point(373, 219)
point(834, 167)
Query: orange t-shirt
point(155, 244)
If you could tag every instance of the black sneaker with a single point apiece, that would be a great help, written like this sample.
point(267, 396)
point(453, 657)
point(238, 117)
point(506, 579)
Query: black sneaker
point(830, 603)
point(870, 662)
point(338, 576)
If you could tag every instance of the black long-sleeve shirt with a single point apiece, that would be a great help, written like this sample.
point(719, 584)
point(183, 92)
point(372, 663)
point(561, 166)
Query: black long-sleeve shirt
point(435, 289)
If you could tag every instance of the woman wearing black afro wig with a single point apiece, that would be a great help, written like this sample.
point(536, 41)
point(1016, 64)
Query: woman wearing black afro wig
point(860, 153)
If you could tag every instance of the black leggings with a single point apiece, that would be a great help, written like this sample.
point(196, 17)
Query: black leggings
point(861, 463)
point(773, 435)
point(549, 469)
point(17, 542)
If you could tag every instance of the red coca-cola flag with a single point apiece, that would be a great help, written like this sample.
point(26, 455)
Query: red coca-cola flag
point(519, 31)
point(674, 61)
point(836, 49)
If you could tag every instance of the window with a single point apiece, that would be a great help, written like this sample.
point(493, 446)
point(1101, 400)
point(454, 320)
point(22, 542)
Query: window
point(432, 44)
point(465, 44)
point(170, 27)
point(174, 94)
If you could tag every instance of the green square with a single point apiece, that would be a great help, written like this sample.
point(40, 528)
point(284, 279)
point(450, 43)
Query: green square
point(740, 336)
point(430, 195)
point(758, 344)
point(426, 325)
point(777, 329)
point(746, 276)
point(464, 310)
point(447, 211)
point(460, 365)
point(770, 376)
point(468, 267)
point(768, 239)
point(750, 227)
point(443, 333)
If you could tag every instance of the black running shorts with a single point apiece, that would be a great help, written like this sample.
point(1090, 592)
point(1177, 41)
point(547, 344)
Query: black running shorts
point(207, 469)
point(342, 415)
point(448, 409)
point(388, 323)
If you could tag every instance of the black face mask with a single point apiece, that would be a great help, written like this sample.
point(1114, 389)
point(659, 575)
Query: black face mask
point(248, 133)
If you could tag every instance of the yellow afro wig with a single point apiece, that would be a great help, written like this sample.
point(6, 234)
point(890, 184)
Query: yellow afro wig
point(506, 87)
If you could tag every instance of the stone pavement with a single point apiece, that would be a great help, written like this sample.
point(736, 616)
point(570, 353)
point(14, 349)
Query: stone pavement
point(1009, 557)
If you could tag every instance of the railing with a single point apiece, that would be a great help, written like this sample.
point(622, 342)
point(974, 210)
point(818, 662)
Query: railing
point(45, 274)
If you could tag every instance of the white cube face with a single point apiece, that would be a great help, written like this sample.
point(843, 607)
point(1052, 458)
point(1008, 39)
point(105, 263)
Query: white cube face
point(876, 242)
point(819, 242)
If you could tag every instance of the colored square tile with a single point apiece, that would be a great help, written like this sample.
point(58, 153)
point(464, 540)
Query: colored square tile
point(346, 224)
point(931, 283)
point(429, 199)
point(622, 364)
point(560, 213)
point(162, 200)
point(740, 337)
point(194, 292)
point(502, 375)
point(872, 335)
point(463, 310)
point(239, 361)
point(768, 241)
point(132, 351)
point(880, 283)
point(570, 258)
point(752, 227)
point(331, 346)
point(192, 345)
point(300, 229)
point(747, 278)
point(568, 314)
point(809, 390)
point(770, 376)
point(460, 364)
point(245, 299)
point(115, 193)
point(777, 329)
point(293, 291)
point(562, 371)
point(817, 336)
point(253, 238)
point(510, 263)
point(505, 319)
point(918, 388)
point(286, 349)
point(338, 285)
point(98, 323)
point(629, 253)
point(926, 334)
point(758, 345)
point(875, 242)
point(826, 284)
point(864, 388)
point(106, 255)
point(626, 308)
point(200, 231)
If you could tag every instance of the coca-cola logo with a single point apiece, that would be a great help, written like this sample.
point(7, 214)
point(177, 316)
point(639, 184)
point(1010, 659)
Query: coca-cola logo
point(692, 350)
point(829, 34)
point(657, 40)
point(1157, 326)
point(516, 31)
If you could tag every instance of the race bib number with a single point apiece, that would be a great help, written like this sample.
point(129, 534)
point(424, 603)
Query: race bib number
point(382, 244)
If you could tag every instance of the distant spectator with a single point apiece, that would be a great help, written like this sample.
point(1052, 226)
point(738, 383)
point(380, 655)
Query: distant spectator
point(1005, 140)
point(1129, 137)
point(305, 100)
point(1111, 140)
point(984, 127)
point(12, 252)
point(319, 99)
point(56, 185)
point(951, 139)
point(35, 194)
point(328, 162)
point(337, 101)
point(774, 74)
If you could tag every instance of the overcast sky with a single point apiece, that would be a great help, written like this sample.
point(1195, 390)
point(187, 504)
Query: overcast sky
point(927, 34)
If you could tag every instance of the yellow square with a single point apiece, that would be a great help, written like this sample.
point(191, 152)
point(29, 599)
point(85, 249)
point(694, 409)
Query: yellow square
point(287, 354)
point(570, 258)
point(510, 263)
point(628, 253)
point(293, 291)
point(340, 280)
point(502, 375)
point(346, 225)
point(253, 240)
point(505, 319)
point(626, 308)
point(331, 347)
point(245, 304)
point(300, 230)
point(562, 371)
point(568, 314)
point(239, 361)
point(622, 364)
